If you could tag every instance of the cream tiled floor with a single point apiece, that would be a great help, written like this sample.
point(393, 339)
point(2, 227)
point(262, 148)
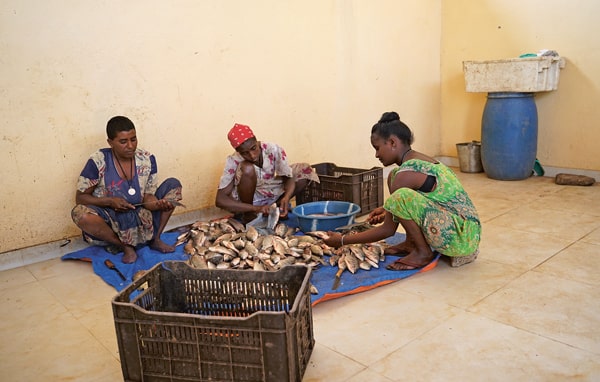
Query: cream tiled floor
point(527, 310)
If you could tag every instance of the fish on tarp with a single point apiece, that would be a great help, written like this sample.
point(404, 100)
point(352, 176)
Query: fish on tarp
point(245, 247)
point(351, 261)
point(225, 244)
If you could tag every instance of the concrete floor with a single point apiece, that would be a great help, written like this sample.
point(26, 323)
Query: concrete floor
point(527, 309)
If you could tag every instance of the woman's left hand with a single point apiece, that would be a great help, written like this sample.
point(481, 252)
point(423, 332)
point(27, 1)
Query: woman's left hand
point(153, 204)
point(163, 205)
point(376, 216)
point(283, 207)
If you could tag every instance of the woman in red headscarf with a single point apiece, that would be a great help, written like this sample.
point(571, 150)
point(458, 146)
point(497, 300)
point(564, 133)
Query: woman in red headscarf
point(258, 175)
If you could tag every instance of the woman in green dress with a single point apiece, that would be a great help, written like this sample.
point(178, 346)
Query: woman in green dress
point(426, 198)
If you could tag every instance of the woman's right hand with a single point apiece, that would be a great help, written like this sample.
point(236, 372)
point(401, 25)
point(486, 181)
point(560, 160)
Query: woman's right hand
point(120, 204)
point(376, 216)
point(334, 239)
point(262, 209)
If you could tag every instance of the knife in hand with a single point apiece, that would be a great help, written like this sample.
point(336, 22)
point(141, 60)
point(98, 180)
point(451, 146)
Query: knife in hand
point(173, 202)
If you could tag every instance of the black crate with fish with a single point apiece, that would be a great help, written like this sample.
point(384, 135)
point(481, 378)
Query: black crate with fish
point(177, 323)
point(359, 186)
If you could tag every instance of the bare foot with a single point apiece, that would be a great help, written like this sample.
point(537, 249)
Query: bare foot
point(414, 260)
point(129, 255)
point(161, 246)
point(401, 249)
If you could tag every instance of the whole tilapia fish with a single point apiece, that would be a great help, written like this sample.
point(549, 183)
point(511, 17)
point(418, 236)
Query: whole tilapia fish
point(273, 217)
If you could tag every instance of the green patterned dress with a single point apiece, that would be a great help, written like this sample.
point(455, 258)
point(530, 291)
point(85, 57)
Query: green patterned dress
point(446, 215)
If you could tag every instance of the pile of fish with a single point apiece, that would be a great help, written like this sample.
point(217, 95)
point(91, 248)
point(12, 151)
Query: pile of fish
point(228, 244)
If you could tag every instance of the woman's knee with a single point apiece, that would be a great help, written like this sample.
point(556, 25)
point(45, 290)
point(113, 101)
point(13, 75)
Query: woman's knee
point(247, 169)
point(84, 216)
point(172, 182)
point(87, 220)
point(78, 213)
point(168, 185)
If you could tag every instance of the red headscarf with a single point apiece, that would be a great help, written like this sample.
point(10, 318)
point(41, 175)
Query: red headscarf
point(239, 134)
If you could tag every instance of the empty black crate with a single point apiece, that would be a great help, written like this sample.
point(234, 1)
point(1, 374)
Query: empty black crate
point(362, 187)
point(178, 323)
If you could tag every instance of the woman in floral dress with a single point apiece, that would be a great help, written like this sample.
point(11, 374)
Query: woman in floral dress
point(120, 204)
point(426, 198)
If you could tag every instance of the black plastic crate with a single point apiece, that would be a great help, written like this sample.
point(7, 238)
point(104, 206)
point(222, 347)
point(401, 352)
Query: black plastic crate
point(362, 187)
point(178, 323)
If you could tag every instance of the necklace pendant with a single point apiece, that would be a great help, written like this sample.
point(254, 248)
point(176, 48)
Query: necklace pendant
point(131, 191)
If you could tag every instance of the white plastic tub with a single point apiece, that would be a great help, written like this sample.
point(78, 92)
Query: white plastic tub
point(530, 74)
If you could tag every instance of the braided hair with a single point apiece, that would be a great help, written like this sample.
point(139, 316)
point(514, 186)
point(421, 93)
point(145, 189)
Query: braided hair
point(390, 124)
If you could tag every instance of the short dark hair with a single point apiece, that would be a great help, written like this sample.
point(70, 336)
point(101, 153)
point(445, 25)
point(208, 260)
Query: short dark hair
point(390, 124)
point(117, 124)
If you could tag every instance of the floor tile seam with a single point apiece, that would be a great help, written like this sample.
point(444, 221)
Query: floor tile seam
point(46, 289)
point(41, 278)
point(585, 234)
point(553, 234)
point(395, 349)
point(103, 378)
point(530, 331)
point(524, 268)
point(533, 206)
point(455, 311)
point(565, 209)
point(509, 229)
point(17, 285)
point(592, 230)
point(541, 272)
point(93, 337)
point(59, 300)
point(346, 356)
point(495, 317)
point(583, 240)
point(101, 343)
point(585, 196)
point(569, 242)
point(66, 313)
point(574, 242)
point(471, 308)
point(501, 214)
point(351, 378)
point(525, 190)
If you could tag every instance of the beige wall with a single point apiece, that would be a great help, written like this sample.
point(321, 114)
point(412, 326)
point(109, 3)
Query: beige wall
point(311, 75)
point(568, 118)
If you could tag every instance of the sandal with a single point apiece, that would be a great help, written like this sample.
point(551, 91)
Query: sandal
point(406, 262)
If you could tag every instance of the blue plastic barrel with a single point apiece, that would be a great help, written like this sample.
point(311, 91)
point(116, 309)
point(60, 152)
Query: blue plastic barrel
point(509, 135)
